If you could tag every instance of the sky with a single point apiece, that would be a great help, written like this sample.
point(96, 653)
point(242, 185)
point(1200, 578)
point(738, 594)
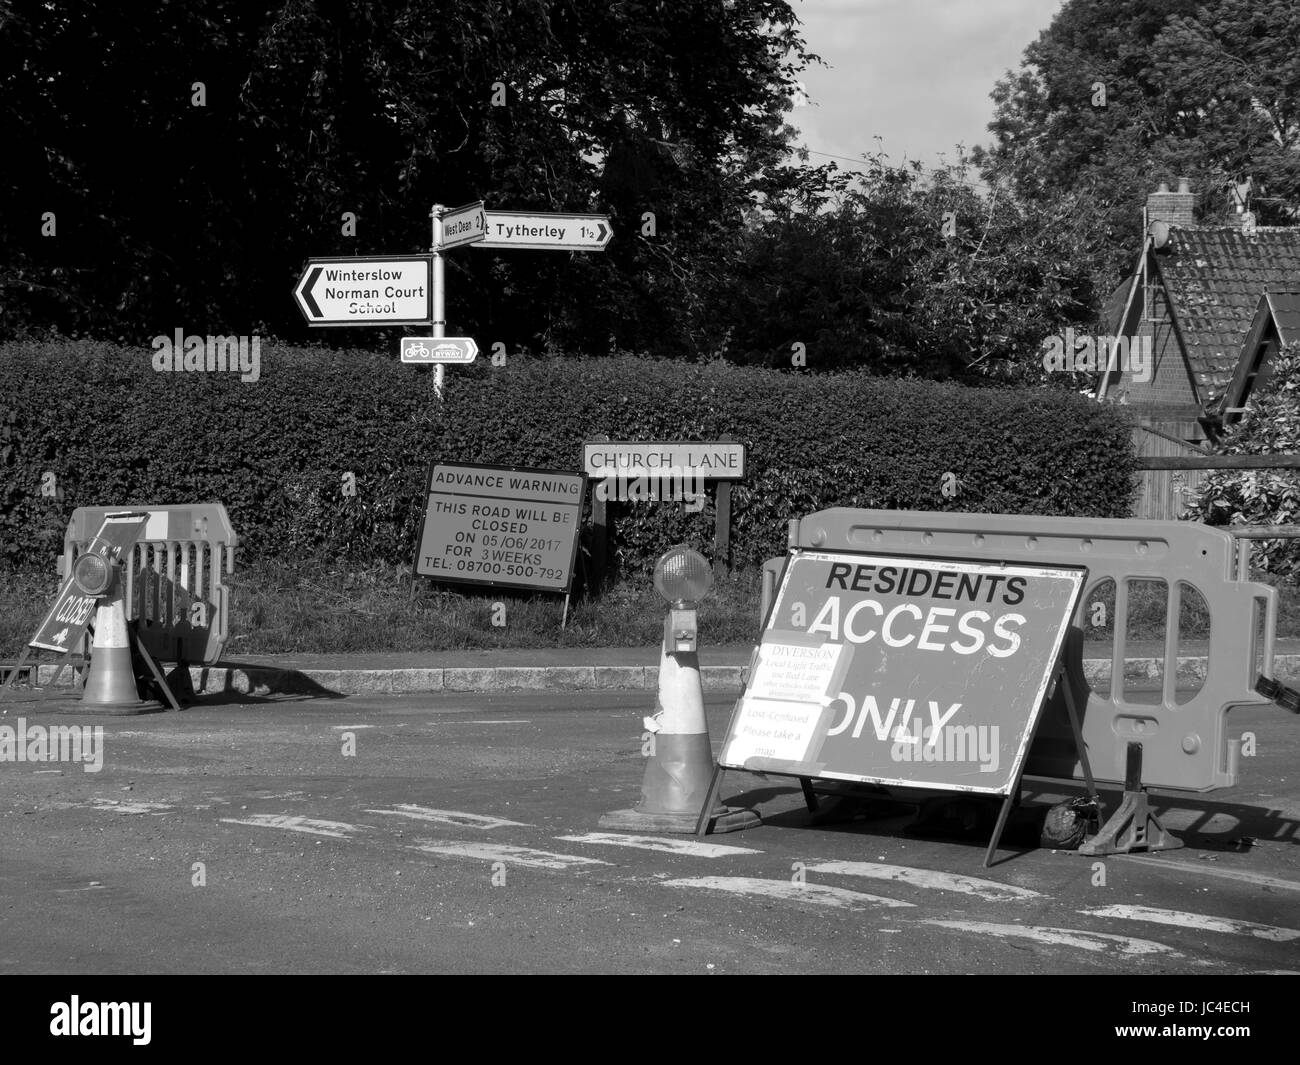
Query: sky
point(916, 73)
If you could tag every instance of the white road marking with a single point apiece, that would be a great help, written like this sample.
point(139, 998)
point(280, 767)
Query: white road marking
point(817, 894)
point(351, 726)
point(928, 878)
point(310, 825)
point(449, 817)
point(1211, 870)
point(656, 843)
point(129, 807)
point(1273, 933)
point(504, 852)
point(512, 721)
point(1064, 937)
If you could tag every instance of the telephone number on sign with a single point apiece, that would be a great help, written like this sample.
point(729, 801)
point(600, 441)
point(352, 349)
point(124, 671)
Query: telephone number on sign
point(509, 569)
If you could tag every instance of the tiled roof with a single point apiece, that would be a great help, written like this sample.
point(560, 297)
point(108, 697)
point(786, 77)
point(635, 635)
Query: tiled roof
point(1216, 275)
point(1286, 313)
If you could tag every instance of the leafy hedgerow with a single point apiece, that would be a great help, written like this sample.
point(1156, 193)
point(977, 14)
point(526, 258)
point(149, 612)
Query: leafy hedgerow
point(1271, 426)
point(111, 430)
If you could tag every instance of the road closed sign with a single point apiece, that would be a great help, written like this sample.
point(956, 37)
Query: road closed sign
point(915, 672)
point(501, 525)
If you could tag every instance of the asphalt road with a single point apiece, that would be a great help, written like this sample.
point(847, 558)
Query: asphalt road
point(462, 837)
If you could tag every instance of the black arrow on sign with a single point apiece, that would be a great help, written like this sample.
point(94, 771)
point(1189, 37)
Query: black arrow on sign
point(603, 230)
point(306, 292)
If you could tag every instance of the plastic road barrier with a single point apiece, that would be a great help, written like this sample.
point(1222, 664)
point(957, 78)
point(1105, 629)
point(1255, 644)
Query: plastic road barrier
point(174, 596)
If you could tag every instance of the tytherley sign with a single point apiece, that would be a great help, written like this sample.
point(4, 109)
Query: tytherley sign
point(909, 671)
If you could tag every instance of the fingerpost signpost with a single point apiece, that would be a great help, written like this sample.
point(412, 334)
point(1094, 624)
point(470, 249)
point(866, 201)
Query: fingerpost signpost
point(367, 290)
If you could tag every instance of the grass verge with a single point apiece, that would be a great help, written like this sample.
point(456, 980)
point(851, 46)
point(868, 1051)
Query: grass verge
point(324, 608)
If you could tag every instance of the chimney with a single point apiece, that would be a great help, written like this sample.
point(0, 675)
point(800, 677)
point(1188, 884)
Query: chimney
point(1176, 208)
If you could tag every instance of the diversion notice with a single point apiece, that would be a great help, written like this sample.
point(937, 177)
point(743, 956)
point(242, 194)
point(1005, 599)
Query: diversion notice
point(501, 525)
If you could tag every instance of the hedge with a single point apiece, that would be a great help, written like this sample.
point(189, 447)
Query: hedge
point(92, 423)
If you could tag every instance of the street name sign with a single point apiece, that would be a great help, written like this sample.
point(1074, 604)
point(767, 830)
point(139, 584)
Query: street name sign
point(908, 671)
point(502, 526)
point(716, 461)
point(457, 350)
point(463, 225)
point(365, 290)
point(547, 232)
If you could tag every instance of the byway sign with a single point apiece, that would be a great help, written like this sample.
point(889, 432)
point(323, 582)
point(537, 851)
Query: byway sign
point(459, 350)
point(547, 232)
point(365, 290)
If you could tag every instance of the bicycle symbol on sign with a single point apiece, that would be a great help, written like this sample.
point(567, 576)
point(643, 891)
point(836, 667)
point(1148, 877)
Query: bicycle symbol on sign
point(419, 350)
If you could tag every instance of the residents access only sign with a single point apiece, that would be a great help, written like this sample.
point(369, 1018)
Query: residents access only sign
point(916, 672)
point(501, 525)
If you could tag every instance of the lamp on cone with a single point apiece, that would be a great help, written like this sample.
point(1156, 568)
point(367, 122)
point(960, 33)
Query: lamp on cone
point(110, 684)
point(679, 763)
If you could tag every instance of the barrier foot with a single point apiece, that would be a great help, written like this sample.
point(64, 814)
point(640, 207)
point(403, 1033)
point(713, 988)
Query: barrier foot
point(809, 796)
point(1132, 827)
point(720, 819)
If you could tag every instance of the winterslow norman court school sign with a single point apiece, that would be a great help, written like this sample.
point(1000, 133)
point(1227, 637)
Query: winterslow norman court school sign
point(910, 671)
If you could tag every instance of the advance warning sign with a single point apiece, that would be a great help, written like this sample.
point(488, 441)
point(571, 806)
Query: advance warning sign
point(917, 672)
point(501, 525)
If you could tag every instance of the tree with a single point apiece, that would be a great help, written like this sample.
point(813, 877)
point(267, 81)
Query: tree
point(1118, 95)
point(195, 154)
point(910, 274)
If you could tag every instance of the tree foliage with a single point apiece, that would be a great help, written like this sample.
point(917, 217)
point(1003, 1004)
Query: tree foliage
point(1270, 426)
point(1118, 95)
point(194, 154)
point(912, 274)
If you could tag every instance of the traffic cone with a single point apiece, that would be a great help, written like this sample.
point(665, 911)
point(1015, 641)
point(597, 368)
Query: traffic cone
point(110, 685)
point(679, 768)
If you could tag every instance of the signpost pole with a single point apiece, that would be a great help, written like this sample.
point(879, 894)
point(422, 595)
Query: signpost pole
point(599, 534)
point(722, 526)
point(439, 312)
